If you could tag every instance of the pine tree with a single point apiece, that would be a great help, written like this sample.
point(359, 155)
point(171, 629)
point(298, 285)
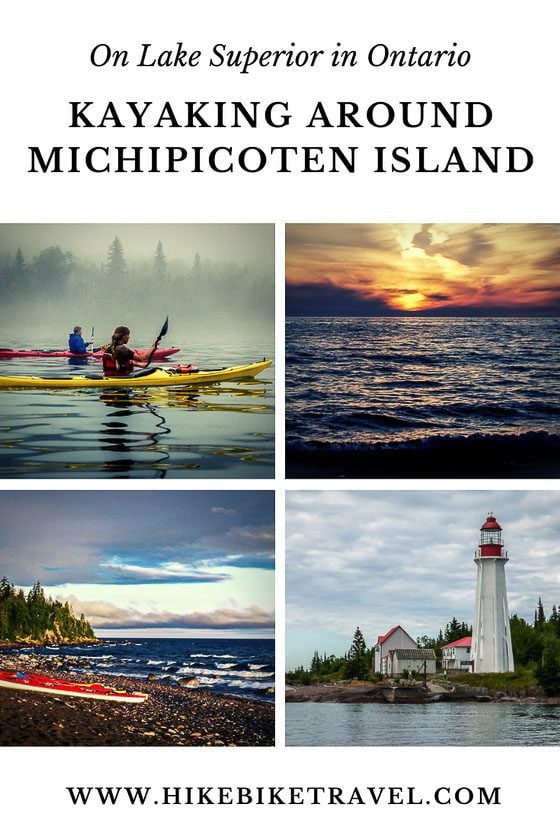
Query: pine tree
point(357, 666)
point(116, 263)
point(540, 622)
point(160, 263)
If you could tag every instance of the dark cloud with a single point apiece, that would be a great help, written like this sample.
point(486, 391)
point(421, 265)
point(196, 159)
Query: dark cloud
point(325, 298)
point(435, 296)
point(159, 537)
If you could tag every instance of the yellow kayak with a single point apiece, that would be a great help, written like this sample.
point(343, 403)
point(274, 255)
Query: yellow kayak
point(151, 378)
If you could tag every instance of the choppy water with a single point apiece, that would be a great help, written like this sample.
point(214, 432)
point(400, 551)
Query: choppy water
point(358, 382)
point(224, 430)
point(439, 724)
point(244, 667)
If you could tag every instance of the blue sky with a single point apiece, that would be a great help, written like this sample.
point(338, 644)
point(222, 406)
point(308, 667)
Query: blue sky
point(381, 558)
point(147, 562)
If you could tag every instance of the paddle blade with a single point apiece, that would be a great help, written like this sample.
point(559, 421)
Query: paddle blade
point(163, 329)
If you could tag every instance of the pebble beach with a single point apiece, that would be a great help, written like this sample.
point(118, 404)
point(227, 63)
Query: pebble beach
point(170, 716)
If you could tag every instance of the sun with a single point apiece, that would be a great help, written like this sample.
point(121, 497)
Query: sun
point(410, 302)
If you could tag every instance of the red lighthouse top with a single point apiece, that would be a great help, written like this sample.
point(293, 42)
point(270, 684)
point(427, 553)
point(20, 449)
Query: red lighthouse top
point(491, 542)
point(491, 524)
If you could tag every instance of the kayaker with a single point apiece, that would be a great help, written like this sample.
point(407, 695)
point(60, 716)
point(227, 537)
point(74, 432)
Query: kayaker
point(119, 359)
point(76, 342)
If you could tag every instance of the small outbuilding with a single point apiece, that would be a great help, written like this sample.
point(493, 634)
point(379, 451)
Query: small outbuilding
point(421, 660)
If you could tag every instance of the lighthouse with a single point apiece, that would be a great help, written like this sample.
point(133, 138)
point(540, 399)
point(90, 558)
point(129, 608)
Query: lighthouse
point(491, 648)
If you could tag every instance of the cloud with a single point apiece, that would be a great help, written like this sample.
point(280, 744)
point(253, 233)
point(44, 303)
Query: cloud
point(120, 571)
point(367, 237)
point(106, 616)
point(376, 559)
point(373, 269)
point(549, 262)
point(159, 536)
point(325, 298)
point(469, 247)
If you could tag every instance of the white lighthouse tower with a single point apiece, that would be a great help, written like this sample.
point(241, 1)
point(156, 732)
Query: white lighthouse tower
point(491, 644)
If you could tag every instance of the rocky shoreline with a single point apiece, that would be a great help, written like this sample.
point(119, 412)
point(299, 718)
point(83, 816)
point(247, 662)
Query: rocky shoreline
point(172, 715)
point(432, 693)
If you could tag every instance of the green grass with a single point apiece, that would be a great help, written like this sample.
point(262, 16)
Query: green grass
point(521, 680)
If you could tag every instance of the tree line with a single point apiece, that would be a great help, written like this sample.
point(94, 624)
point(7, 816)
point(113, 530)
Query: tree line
point(55, 276)
point(354, 664)
point(34, 617)
point(536, 648)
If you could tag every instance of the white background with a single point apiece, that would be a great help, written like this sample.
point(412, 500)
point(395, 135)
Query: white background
point(44, 60)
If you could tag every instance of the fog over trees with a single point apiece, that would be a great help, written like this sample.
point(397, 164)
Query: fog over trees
point(52, 286)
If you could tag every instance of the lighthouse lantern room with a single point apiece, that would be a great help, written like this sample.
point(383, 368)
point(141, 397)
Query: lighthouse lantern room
point(491, 646)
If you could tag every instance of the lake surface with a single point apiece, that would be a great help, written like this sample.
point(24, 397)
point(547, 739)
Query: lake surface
point(243, 667)
point(411, 386)
point(436, 725)
point(218, 431)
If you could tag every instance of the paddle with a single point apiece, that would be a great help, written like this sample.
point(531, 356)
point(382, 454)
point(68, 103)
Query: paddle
point(92, 348)
point(163, 332)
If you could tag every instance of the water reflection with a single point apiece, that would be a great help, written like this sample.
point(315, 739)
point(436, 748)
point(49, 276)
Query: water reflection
point(118, 435)
point(212, 431)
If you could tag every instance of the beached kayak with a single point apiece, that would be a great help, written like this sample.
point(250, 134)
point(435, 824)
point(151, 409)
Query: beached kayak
point(54, 685)
point(6, 354)
point(150, 378)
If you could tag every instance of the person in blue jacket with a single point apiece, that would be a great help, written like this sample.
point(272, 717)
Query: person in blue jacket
point(76, 343)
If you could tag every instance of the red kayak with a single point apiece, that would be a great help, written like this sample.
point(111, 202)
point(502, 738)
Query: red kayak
point(5, 353)
point(55, 685)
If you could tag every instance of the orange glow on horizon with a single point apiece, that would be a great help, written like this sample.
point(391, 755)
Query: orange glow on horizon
point(428, 267)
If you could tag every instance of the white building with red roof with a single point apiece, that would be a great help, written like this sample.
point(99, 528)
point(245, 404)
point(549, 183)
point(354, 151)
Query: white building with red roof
point(457, 655)
point(396, 639)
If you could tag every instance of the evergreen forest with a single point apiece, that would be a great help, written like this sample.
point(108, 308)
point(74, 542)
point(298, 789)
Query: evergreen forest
point(36, 618)
point(59, 282)
point(536, 653)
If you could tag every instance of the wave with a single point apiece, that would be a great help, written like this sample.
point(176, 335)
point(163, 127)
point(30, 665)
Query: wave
point(212, 672)
point(522, 440)
point(212, 656)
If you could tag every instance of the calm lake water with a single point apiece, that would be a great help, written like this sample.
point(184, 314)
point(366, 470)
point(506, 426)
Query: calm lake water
point(218, 431)
point(436, 725)
point(358, 382)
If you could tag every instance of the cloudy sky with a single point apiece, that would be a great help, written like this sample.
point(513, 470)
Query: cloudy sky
point(144, 563)
point(378, 559)
point(443, 269)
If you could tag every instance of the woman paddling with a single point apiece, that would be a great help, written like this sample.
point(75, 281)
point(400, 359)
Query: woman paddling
point(119, 359)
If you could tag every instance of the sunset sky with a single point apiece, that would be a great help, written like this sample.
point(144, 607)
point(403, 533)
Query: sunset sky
point(147, 563)
point(436, 269)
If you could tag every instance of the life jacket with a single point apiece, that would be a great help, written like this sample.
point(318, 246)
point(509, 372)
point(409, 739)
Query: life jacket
point(110, 367)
